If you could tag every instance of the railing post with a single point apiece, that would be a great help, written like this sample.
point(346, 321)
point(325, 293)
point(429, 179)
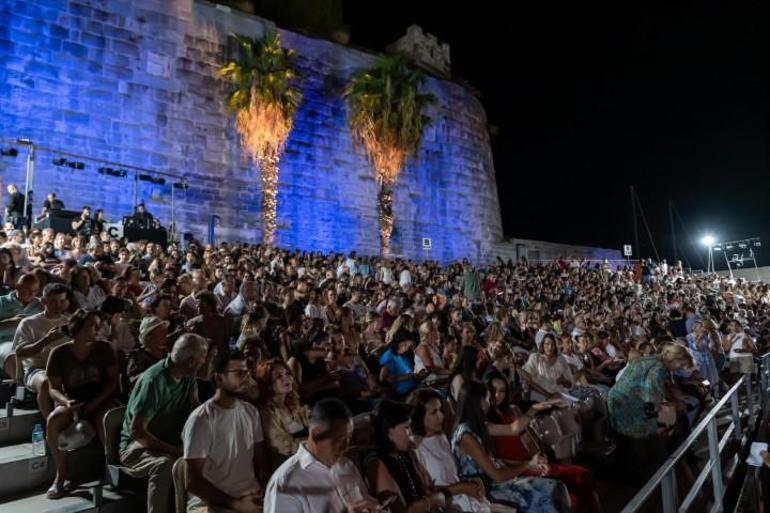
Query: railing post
point(763, 382)
point(668, 491)
point(736, 413)
point(716, 463)
point(749, 395)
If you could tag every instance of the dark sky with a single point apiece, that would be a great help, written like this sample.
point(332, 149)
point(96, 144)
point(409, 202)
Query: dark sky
point(671, 99)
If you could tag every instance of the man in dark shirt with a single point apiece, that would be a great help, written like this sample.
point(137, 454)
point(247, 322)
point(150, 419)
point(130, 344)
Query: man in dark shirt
point(52, 204)
point(14, 212)
point(141, 218)
point(83, 225)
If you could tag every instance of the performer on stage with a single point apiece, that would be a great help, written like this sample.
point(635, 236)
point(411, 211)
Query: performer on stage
point(141, 218)
point(14, 211)
point(83, 225)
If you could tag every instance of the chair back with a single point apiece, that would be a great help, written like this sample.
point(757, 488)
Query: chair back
point(179, 475)
point(113, 423)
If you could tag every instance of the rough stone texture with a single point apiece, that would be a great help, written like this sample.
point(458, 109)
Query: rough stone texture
point(541, 251)
point(133, 82)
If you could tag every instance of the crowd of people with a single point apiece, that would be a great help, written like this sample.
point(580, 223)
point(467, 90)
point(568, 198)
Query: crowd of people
point(292, 381)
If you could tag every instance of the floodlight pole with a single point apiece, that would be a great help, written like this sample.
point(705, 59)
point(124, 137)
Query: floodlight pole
point(29, 179)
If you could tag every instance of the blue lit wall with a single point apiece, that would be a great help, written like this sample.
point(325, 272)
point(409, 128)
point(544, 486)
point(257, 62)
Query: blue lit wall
point(133, 82)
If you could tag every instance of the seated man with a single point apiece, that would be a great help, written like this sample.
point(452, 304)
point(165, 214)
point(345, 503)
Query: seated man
point(223, 444)
point(210, 324)
point(14, 307)
point(37, 336)
point(161, 401)
point(153, 347)
point(318, 477)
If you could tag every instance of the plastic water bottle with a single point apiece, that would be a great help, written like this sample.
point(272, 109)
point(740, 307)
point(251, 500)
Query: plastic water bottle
point(38, 441)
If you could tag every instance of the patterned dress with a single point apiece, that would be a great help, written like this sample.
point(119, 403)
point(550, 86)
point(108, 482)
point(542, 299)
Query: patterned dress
point(527, 494)
point(642, 382)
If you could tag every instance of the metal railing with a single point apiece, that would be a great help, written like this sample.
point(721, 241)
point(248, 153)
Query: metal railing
point(665, 477)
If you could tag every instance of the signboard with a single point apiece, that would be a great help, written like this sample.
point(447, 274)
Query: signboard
point(427, 243)
point(627, 250)
point(115, 230)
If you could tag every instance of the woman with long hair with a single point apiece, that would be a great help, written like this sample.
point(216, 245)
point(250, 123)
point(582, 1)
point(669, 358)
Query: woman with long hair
point(520, 445)
point(395, 471)
point(463, 371)
point(505, 483)
point(285, 420)
point(396, 368)
point(435, 454)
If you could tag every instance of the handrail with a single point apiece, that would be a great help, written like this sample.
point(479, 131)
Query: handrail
point(665, 476)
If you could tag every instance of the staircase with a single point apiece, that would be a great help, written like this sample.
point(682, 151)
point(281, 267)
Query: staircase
point(24, 477)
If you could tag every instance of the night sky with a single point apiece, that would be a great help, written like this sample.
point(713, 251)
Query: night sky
point(671, 99)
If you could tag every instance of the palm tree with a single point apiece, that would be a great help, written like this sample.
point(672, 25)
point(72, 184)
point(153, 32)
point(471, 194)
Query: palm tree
point(386, 118)
point(264, 101)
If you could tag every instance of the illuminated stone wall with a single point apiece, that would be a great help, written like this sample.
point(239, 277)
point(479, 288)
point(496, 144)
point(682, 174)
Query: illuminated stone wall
point(133, 82)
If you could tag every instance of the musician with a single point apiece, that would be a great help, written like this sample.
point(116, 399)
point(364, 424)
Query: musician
point(14, 211)
point(141, 218)
point(51, 204)
point(83, 225)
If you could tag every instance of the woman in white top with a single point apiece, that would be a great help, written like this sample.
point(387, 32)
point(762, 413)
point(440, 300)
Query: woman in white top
point(427, 355)
point(313, 310)
point(741, 348)
point(87, 296)
point(548, 371)
point(435, 454)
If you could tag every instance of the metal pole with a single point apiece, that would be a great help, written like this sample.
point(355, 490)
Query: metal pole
point(636, 223)
point(749, 395)
point(728, 263)
point(736, 413)
point(172, 230)
point(668, 491)
point(136, 191)
point(673, 232)
point(716, 464)
point(29, 179)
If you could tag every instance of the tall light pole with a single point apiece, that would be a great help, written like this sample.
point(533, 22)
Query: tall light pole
point(708, 241)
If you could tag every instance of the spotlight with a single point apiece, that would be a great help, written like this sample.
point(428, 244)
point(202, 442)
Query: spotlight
point(120, 173)
point(76, 165)
point(9, 152)
point(708, 240)
point(153, 179)
point(181, 186)
point(60, 162)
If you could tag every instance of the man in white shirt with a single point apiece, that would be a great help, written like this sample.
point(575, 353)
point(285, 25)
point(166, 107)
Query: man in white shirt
point(36, 336)
point(223, 445)
point(318, 478)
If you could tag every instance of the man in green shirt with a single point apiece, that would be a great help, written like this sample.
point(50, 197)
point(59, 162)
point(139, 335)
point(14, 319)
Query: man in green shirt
point(160, 402)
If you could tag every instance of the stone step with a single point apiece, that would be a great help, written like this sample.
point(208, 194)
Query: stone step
point(18, 428)
point(21, 471)
point(80, 500)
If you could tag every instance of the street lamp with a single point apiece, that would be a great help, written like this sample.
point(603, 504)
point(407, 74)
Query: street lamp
point(708, 241)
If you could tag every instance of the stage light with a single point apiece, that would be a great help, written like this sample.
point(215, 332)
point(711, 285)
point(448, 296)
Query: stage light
point(708, 240)
point(153, 179)
point(120, 173)
point(717, 248)
point(181, 186)
point(9, 152)
point(73, 164)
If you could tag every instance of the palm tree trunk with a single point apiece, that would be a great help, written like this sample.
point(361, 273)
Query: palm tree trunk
point(269, 173)
point(385, 214)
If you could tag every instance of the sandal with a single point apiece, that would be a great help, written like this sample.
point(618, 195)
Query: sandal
point(56, 491)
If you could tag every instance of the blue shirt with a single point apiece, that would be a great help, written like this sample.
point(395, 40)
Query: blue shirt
point(398, 365)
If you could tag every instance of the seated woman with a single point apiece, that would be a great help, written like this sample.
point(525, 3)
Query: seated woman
point(634, 404)
point(435, 454)
point(505, 483)
point(463, 371)
point(427, 355)
point(396, 368)
point(395, 470)
point(549, 372)
point(519, 445)
point(83, 376)
point(87, 295)
point(284, 420)
point(309, 368)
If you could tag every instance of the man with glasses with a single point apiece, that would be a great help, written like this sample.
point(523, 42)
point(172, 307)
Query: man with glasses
point(223, 445)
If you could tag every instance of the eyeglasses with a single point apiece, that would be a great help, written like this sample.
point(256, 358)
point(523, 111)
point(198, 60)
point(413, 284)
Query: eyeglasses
point(239, 372)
